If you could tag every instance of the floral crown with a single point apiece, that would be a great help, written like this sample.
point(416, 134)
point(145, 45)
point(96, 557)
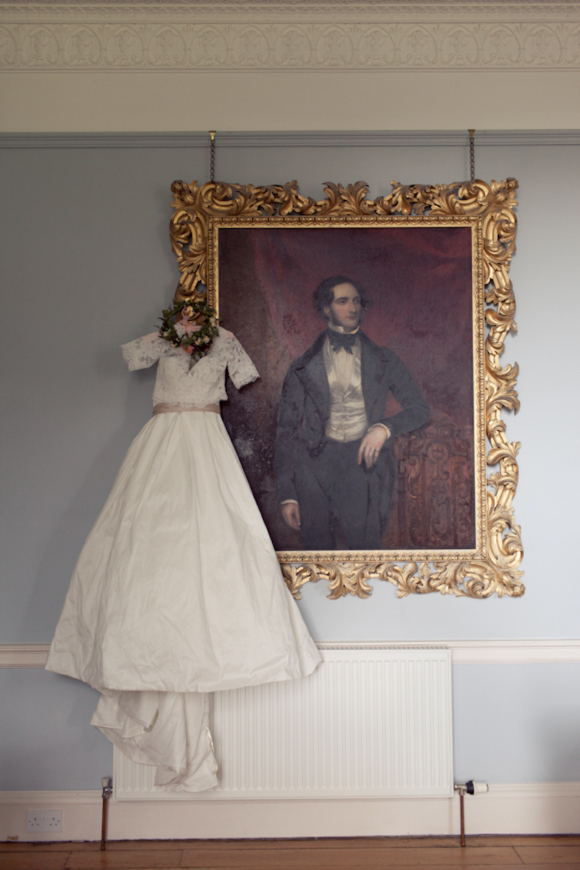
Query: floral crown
point(196, 335)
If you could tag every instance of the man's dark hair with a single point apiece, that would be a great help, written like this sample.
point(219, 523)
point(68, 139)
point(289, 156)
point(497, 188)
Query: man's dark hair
point(324, 293)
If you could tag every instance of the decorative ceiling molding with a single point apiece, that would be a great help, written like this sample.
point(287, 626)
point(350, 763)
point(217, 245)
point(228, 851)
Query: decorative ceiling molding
point(305, 46)
point(296, 10)
point(290, 35)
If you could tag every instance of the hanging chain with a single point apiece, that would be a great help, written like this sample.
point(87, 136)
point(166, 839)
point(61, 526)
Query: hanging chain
point(472, 154)
point(212, 155)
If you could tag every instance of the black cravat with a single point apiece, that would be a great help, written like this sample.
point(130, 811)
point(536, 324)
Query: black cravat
point(340, 340)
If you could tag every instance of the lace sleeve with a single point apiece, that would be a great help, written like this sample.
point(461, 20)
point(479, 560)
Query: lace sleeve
point(241, 369)
point(143, 352)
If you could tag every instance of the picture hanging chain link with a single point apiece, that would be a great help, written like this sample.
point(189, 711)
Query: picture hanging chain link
point(472, 154)
point(212, 155)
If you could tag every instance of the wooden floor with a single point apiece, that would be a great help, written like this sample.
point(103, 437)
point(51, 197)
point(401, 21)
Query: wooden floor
point(372, 853)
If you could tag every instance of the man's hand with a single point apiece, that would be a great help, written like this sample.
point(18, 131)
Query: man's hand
point(372, 444)
point(291, 514)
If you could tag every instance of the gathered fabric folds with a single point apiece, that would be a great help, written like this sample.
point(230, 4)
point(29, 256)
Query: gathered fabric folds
point(167, 729)
point(177, 593)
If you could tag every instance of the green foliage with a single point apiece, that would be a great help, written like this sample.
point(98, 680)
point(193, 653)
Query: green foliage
point(197, 312)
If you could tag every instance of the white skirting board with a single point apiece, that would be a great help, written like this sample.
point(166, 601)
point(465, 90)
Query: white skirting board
point(528, 808)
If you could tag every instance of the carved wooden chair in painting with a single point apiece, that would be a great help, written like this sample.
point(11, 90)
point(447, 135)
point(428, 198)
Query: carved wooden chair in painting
point(433, 506)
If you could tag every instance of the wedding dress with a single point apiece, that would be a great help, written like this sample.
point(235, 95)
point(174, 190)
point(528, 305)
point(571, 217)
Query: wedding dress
point(178, 591)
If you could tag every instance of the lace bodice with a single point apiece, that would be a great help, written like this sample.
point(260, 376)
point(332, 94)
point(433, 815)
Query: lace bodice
point(180, 383)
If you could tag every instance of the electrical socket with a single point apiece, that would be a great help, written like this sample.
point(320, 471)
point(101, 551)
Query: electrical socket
point(38, 821)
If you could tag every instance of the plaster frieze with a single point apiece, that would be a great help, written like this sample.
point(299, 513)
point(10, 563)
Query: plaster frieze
point(178, 46)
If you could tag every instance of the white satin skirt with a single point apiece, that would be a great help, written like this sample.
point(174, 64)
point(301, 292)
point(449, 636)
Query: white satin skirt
point(177, 590)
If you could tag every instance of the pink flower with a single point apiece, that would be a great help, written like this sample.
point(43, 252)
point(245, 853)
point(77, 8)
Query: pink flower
point(188, 327)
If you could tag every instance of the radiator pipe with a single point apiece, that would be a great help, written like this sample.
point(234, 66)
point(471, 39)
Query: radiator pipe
point(470, 787)
point(106, 794)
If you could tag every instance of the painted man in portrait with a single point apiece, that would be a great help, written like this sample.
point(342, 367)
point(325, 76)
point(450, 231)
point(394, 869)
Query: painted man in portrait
point(335, 464)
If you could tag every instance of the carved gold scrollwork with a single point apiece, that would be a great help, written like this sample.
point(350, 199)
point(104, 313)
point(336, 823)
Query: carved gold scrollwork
point(495, 568)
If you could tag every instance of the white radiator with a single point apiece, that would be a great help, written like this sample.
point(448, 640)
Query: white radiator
point(370, 722)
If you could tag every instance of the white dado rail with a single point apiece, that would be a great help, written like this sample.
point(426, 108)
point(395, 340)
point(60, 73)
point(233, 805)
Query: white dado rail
point(463, 652)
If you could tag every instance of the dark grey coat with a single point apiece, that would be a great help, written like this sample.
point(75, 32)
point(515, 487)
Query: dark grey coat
point(305, 405)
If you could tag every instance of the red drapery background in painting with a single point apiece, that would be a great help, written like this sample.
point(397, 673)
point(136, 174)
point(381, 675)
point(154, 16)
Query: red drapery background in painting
point(418, 280)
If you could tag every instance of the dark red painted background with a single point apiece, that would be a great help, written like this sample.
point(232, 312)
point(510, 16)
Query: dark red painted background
point(419, 283)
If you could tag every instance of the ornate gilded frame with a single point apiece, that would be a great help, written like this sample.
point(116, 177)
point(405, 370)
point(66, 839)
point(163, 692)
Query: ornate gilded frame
point(493, 567)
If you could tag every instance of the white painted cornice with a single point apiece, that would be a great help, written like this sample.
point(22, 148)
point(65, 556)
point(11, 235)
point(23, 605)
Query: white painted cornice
point(296, 10)
point(379, 35)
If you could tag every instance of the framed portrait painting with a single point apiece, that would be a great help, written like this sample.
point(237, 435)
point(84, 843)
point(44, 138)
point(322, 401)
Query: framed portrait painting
point(376, 327)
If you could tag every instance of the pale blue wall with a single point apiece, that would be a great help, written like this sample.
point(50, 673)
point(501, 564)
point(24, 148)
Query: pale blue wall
point(86, 265)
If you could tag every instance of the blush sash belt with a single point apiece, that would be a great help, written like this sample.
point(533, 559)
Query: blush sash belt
point(164, 408)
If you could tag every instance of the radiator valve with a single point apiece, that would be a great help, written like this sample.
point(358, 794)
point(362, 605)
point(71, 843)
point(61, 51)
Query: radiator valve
point(472, 787)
